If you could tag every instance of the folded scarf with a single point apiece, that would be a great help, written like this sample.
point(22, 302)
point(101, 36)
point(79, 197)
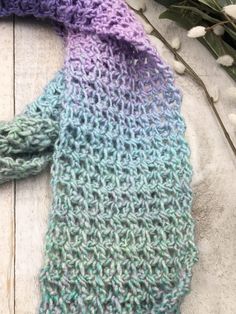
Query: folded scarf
point(120, 236)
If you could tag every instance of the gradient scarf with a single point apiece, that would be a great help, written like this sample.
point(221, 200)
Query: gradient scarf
point(120, 236)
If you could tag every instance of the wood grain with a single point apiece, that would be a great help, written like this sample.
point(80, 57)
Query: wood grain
point(38, 56)
point(214, 181)
point(7, 238)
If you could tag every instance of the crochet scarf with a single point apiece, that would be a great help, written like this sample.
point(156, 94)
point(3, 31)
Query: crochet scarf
point(120, 237)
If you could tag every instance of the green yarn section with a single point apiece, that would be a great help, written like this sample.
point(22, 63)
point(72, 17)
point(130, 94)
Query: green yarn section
point(26, 142)
point(120, 236)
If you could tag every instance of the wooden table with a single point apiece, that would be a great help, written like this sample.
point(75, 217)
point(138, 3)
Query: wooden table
point(30, 55)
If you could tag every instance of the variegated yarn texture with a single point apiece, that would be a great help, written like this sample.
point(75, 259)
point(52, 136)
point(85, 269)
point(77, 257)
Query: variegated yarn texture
point(120, 236)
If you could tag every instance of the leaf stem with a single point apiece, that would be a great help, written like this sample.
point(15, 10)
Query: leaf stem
point(219, 23)
point(194, 76)
point(230, 20)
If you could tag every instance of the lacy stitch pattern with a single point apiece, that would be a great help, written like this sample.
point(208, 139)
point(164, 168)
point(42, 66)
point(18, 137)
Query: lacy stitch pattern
point(120, 237)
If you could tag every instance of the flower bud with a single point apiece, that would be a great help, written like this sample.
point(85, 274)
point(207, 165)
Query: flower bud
point(197, 31)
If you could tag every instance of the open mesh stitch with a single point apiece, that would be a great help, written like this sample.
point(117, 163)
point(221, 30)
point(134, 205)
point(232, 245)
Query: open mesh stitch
point(120, 237)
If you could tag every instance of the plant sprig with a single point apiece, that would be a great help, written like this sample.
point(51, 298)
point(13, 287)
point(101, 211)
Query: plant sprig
point(208, 14)
point(192, 74)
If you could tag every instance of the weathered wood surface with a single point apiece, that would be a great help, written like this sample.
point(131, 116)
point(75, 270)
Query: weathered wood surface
point(38, 55)
point(7, 225)
point(26, 67)
point(30, 54)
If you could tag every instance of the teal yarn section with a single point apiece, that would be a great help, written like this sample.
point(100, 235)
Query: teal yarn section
point(26, 143)
point(120, 236)
point(127, 244)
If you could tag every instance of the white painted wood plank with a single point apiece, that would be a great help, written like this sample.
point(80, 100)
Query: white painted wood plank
point(7, 189)
point(214, 182)
point(38, 56)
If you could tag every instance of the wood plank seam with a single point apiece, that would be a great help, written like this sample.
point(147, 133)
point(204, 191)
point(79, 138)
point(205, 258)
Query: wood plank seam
point(14, 200)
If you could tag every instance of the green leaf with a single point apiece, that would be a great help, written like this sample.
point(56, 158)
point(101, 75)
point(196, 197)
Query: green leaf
point(212, 4)
point(182, 17)
point(205, 16)
point(217, 4)
point(215, 44)
point(167, 3)
point(231, 32)
point(223, 3)
point(219, 47)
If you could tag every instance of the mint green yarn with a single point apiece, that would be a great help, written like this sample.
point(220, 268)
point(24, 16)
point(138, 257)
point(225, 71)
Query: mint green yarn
point(26, 143)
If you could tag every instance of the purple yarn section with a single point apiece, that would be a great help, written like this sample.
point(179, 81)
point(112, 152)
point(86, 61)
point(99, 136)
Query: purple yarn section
point(107, 18)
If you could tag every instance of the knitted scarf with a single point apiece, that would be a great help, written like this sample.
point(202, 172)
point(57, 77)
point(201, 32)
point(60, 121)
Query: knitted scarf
point(120, 237)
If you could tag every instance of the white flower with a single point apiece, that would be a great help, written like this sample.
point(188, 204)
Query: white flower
point(197, 31)
point(156, 43)
point(215, 93)
point(225, 60)
point(175, 43)
point(218, 30)
point(232, 118)
point(179, 67)
point(230, 10)
point(231, 93)
point(147, 27)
